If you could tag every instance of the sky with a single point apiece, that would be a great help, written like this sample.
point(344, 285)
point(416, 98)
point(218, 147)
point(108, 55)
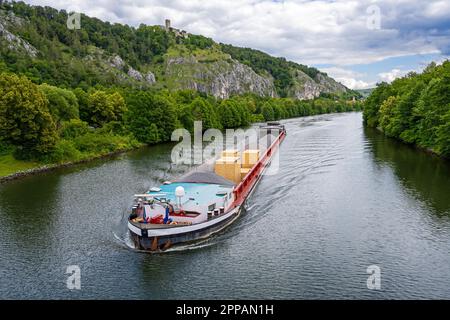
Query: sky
point(359, 43)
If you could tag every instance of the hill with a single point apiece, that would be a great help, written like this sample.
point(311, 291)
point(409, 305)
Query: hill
point(365, 92)
point(35, 41)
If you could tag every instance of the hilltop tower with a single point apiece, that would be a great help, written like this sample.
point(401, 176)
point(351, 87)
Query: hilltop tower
point(167, 24)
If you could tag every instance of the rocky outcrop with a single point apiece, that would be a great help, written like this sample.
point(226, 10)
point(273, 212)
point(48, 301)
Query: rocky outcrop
point(14, 42)
point(118, 63)
point(210, 70)
point(150, 77)
point(329, 85)
point(221, 78)
point(304, 87)
point(307, 88)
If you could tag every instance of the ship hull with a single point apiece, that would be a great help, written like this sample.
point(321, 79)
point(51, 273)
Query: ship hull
point(156, 239)
point(162, 239)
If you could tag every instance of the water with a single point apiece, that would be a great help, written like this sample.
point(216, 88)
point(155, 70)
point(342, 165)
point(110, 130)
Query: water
point(345, 198)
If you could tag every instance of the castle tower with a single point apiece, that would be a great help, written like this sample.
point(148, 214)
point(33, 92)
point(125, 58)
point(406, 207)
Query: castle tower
point(167, 24)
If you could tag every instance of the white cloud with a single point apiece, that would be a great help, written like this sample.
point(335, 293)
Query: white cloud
point(348, 78)
point(310, 32)
point(319, 32)
point(392, 75)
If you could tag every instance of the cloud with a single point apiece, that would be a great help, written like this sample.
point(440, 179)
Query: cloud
point(348, 78)
point(310, 32)
point(392, 75)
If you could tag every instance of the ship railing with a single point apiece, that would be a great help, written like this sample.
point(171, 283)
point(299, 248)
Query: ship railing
point(242, 189)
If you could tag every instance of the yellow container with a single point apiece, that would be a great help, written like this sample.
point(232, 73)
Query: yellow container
point(250, 158)
point(230, 153)
point(229, 168)
point(244, 172)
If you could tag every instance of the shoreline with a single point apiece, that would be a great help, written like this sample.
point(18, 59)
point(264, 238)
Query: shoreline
point(428, 151)
point(47, 168)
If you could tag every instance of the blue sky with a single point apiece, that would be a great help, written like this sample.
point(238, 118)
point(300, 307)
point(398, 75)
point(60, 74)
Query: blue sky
point(359, 43)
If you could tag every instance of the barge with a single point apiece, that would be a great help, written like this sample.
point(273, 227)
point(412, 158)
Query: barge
point(201, 203)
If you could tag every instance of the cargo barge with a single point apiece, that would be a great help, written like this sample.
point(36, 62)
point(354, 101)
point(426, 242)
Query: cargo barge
point(201, 203)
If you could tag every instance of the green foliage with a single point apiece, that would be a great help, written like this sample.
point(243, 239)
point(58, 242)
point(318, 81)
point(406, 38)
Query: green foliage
point(81, 58)
point(389, 119)
point(257, 118)
point(64, 151)
point(4, 148)
point(268, 112)
point(83, 104)
point(414, 109)
point(443, 135)
point(109, 123)
point(202, 110)
point(25, 121)
point(373, 103)
point(74, 128)
point(62, 50)
point(63, 104)
point(97, 144)
point(104, 107)
point(151, 116)
point(229, 115)
point(198, 42)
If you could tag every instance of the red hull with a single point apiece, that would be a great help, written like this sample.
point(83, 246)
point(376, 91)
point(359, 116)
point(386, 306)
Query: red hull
point(245, 187)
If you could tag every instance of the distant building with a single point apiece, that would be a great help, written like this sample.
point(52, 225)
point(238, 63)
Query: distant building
point(177, 32)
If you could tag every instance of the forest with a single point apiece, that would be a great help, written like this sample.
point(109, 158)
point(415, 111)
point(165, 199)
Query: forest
point(59, 105)
point(414, 109)
point(48, 124)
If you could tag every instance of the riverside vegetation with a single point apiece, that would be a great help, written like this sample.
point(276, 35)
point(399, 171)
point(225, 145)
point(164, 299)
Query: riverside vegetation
point(71, 95)
point(414, 109)
point(46, 124)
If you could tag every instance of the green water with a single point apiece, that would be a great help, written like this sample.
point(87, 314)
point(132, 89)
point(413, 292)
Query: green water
point(344, 198)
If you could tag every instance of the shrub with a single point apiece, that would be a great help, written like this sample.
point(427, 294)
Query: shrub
point(74, 128)
point(64, 151)
point(25, 120)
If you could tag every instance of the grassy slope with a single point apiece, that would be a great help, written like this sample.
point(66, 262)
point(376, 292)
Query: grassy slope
point(9, 165)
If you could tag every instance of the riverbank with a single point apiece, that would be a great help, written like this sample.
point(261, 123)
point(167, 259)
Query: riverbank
point(420, 148)
point(12, 169)
point(350, 194)
point(414, 109)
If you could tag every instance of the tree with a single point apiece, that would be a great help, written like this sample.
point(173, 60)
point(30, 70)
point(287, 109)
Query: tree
point(373, 103)
point(74, 128)
point(267, 111)
point(150, 117)
point(228, 114)
point(104, 107)
point(242, 112)
point(432, 106)
point(83, 104)
point(25, 120)
point(389, 117)
point(202, 110)
point(63, 104)
point(414, 108)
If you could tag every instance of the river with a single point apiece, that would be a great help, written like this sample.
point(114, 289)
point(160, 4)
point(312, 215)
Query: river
point(345, 198)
